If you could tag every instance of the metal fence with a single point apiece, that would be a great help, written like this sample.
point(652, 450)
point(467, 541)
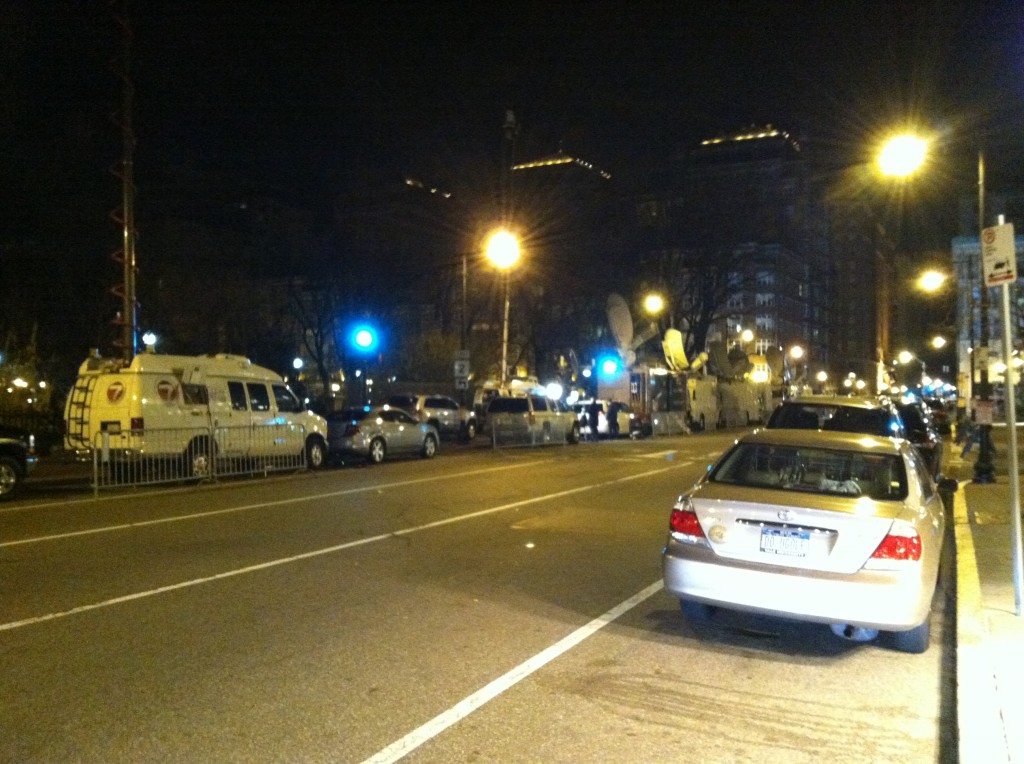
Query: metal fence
point(174, 455)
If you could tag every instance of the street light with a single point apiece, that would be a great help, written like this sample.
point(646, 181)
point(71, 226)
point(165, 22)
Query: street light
point(503, 250)
point(902, 156)
point(654, 304)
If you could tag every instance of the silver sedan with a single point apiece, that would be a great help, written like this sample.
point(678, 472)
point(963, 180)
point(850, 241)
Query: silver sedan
point(375, 433)
point(831, 527)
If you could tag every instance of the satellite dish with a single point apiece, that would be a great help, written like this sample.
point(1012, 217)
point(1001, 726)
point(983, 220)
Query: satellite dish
point(675, 354)
point(619, 320)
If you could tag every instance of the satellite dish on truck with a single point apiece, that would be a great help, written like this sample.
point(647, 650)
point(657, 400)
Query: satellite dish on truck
point(621, 323)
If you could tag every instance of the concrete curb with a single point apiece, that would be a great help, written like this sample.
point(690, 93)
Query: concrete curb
point(982, 738)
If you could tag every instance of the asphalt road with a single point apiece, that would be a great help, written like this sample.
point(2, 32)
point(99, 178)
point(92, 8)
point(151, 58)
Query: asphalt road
point(485, 606)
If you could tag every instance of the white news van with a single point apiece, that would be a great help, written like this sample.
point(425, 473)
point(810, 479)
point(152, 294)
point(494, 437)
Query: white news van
point(199, 407)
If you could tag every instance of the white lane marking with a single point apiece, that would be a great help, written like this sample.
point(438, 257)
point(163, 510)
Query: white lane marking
point(316, 553)
point(464, 708)
point(261, 505)
point(659, 454)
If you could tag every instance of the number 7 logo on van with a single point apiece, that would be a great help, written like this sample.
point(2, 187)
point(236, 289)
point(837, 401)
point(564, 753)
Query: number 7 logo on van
point(115, 392)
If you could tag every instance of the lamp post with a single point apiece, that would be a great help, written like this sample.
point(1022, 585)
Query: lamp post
point(900, 158)
point(984, 468)
point(503, 250)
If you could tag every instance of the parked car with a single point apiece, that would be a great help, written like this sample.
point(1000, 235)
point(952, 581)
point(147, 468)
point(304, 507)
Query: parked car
point(376, 433)
point(830, 527)
point(17, 459)
point(922, 433)
point(870, 416)
point(940, 411)
point(446, 415)
point(531, 420)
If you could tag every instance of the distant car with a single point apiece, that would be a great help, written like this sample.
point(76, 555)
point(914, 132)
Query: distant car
point(17, 459)
point(376, 433)
point(940, 415)
point(922, 433)
point(830, 527)
point(531, 420)
point(449, 418)
point(870, 416)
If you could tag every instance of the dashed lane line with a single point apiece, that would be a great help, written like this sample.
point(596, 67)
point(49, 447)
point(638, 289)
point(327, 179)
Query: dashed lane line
point(319, 552)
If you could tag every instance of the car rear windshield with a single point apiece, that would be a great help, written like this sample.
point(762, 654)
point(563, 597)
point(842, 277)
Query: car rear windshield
point(814, 470)
point(509, 406)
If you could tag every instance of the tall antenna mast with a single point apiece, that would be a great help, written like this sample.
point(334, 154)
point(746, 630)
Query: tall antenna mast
point(128, 317)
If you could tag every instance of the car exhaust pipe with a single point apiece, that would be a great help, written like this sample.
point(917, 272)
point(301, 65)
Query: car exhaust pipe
point(854, 633)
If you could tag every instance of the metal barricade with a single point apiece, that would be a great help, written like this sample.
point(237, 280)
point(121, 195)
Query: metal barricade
point(174, 455)
point(516, 431)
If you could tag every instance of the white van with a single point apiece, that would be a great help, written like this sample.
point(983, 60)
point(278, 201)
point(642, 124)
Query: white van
point(199, 407)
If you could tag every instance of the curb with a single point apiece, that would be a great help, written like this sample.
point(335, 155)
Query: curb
point(981, 737)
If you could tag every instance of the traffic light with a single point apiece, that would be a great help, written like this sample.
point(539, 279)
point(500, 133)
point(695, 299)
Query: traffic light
point(609, 365)
point(364, 338)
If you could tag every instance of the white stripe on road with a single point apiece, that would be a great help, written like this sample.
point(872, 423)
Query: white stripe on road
point(464, 708)
point(261, 505)
point(317, 552)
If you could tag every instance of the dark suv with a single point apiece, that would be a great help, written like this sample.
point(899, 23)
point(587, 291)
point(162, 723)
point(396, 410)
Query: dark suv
point(17, 458)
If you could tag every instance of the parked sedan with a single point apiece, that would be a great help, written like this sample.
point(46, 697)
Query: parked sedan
point(922, 433)
point(831, 527)
point(17, 459)
point(376, 433)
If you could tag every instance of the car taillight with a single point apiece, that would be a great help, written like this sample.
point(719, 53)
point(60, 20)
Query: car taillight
point(895, 547)
point(685, 521)
point(351, 429)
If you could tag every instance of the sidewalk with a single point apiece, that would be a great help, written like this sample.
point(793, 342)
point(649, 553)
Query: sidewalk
point(990, 636)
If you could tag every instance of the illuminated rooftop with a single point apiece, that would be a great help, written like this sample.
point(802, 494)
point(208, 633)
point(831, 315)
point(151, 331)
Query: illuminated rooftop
point(561, 158)
point(753, 134)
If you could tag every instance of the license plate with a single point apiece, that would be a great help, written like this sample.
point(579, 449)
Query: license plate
point(785, 541)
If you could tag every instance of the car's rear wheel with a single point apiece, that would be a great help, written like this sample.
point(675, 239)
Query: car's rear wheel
point(429, 447)
point(574, 433)
point(316, 452)
point(9, 476)
point(915, 640)
point(199, 458)
point(696, 612)
point(378, 450)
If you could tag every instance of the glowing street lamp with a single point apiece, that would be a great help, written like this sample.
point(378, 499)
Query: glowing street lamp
point(503, 250)
point(654, 304)
point(902, 156)
point(931, 281)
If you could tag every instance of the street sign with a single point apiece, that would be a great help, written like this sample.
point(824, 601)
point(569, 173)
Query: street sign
point(460, 368)
point(998, 255)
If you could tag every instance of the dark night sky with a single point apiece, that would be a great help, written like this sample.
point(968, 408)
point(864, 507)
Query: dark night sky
point(313, 100)
point(316, 95)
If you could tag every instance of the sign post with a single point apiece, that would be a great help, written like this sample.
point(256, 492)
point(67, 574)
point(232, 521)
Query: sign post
point(999, 264)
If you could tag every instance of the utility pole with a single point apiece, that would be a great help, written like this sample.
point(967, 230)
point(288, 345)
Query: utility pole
point(984, 469)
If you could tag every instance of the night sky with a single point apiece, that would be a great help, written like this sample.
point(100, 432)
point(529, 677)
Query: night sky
point(310, 101)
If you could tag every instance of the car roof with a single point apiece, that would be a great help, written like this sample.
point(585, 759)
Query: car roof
point(825, 439)
point(857, 401)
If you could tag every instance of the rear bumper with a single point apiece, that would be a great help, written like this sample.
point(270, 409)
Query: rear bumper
point(888, 600)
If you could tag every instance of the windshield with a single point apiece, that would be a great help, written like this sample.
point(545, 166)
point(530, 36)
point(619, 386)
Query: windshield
point(814, 470)
point(509, 406)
